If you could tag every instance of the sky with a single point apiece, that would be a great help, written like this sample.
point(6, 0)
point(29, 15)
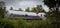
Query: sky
point(24, 4)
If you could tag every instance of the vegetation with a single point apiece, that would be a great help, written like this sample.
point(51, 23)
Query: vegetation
point(20, 9)
point(54, 13)
point(40, 9)
point(11, 8)
point(34, 9)
point(20, 23)
point(1, 12)
point(37, 9)
point(27, 9)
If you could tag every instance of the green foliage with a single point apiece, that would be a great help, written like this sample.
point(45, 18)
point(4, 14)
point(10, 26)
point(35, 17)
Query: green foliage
point(40, 9)
point(20, 23)
point(27, 10)
point(54, 13)
point(7, 23)
point(1, 12)
point(34, 9)
point(2, 9)
point(12, 23)
point(51, 3)
point(20, 9)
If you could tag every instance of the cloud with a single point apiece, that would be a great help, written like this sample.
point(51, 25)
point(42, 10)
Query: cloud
point(23, 3)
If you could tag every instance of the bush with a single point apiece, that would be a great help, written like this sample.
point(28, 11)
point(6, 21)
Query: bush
point(7, 23)
point(11, 23)
point(20, 23)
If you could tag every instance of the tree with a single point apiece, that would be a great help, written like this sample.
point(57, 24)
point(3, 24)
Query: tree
point(11, 8)
point(20, 9)
point(34, 9)
point(54, 12)
point(2, 9)
point(1, 12)
point(40, 8)
point(27, 10)
point(55, 4)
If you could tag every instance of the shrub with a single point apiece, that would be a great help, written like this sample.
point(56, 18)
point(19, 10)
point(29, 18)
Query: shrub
point(20, 23)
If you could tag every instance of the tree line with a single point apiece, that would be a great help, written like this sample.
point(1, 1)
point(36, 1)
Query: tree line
point(37, 9)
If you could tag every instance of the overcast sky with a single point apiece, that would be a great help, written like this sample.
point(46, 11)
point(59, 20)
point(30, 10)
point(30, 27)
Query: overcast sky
point(24, 4)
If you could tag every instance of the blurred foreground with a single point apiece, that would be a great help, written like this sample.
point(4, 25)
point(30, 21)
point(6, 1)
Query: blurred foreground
point(20, 23)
